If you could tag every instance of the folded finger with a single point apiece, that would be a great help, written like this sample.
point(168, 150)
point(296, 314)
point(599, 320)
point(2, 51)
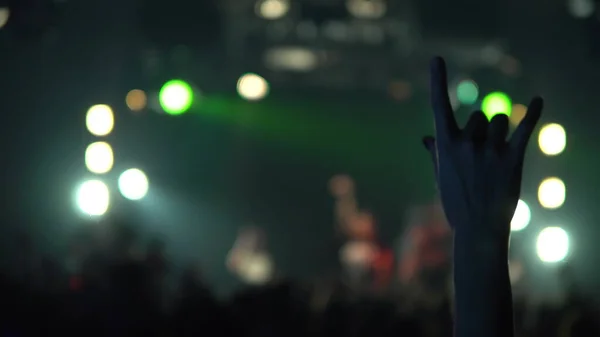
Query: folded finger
point(498, 129)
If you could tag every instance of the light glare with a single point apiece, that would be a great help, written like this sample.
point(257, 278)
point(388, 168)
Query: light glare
point(133, 184)
point(552, 244)
point(93, 198)
point(100, 120)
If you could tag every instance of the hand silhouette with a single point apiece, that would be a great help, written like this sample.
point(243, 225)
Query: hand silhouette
point(477, 170)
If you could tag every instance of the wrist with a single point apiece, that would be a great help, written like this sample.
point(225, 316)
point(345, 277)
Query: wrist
point(481, 242)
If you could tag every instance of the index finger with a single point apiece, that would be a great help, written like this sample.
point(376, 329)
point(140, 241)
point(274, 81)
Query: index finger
point(445, 124)
point(523, 133)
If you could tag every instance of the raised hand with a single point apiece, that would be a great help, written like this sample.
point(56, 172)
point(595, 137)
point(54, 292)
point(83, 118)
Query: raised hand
point(477, 170)
point(479, 177)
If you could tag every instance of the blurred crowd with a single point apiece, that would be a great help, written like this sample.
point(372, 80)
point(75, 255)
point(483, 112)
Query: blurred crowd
point(107, 286)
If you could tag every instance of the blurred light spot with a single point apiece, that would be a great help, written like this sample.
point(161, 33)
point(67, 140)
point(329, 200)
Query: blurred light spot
point(496, 103)
point(552, 244)
point(581, 8)
point(521, 218)
point(136, 100)
point(252, 87)
point(99, 157)
point(133, 184)
point(254, 268)
point(272, 9)
point(176, 97)
point(341, 185)
point(400, 90)
point(517, 114)
point(467, 92)
point(552, 139)
point(358, 254)
point(291, 59)
point(93, 198)
point(366, 9)
point(100, 120)
point(4, 16)
point(552, 193)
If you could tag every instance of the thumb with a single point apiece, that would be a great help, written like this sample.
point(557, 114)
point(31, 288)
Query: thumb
point(430, 146)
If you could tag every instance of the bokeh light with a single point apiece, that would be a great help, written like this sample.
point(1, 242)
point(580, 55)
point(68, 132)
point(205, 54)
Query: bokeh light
point(133, 184)
point(176, 97)
point(552, 244)
point(252, 87)
point(581, 9)
point(517, 114)
point(341, 185)
point(521, 217)
point(4, 16)
point(552, 139)
point(367, 9)
point(272, 9)
point(552, 193)
point(93, 198)
point(136, 100)
point(99, 157)
point(467, 92)
point(256, 268)
point(496, 103)
point(100, 120)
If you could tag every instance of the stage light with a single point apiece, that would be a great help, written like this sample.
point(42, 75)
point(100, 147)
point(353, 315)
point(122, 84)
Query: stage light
point(467, 92)
point(252, 87)
point(272, 9)
point(100, 120)
point(367, 9)
point(99, 157)
point(133, 184)
point(552, 193)
point(552, 244)
point(552, 139)
point(496, 103)
point(93, 198)
point(136, 100)
point(176, 97)
point(521, 217)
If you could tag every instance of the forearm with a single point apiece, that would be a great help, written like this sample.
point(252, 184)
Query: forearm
point(482, 288)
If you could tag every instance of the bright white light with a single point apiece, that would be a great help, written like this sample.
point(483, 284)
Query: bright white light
point(93, 198)
point(272, 9)
point(133, 184)
point(521, 218)
point(552, 193)
point(100, 120)
point(252, 87)
point(99, 157)
point(552, 139)
point(552, 244)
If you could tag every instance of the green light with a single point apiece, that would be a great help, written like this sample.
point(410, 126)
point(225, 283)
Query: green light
point(176, 97)
point(496, 103)
point(467, 92)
